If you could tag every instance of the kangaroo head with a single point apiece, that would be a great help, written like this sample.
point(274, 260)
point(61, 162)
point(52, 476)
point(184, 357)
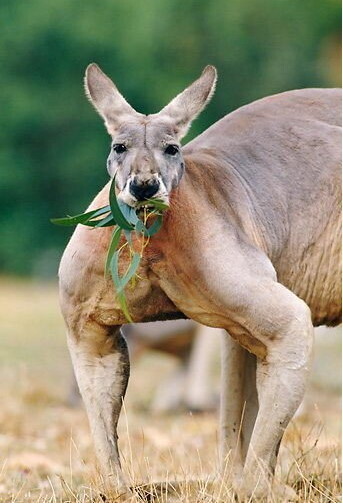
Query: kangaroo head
point(145, 151)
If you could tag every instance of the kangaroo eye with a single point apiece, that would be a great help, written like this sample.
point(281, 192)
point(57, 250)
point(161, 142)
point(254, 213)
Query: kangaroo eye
point(119, 148)
point(171, 150)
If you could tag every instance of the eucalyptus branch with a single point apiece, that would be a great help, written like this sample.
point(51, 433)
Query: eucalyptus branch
point(126, 221)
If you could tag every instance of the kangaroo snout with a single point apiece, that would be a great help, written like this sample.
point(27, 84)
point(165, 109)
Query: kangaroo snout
point(143, 190)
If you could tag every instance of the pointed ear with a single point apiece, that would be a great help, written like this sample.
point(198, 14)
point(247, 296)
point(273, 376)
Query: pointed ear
point(187, 105)
point(105, 97)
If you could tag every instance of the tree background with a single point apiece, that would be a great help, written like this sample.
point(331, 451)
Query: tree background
point(53, 147)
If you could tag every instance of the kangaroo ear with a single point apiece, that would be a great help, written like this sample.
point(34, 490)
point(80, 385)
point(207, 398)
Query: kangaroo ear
point(187, 105)
point(105, 97)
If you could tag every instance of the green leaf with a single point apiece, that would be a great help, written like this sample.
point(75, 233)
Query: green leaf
point(114, 268)
point(128, 212)
point(81, 218)
point(120, 294)
point(123, 304)
point(97, 223)
point(120, 283)
point(140, 228)
point(116, 211)
point(155, 227)
point(131, 271)
point(106, 222)
point(156, 203)
point(112, 248)
point(128, 236)
point(152, 230)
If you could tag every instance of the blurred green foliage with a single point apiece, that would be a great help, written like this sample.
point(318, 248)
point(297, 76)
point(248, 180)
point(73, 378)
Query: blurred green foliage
point(52, 145)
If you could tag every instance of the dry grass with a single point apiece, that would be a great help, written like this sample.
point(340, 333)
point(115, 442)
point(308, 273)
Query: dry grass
point(46, 453)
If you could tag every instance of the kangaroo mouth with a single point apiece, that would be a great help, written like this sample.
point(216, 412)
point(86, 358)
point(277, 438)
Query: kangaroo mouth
point(137, 195)
point(131, 201)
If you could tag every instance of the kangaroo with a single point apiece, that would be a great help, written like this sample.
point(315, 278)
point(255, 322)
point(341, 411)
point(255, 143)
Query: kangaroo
point(250, 244)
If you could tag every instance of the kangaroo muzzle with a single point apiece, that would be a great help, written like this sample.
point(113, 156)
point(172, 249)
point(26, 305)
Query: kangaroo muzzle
point(143, 190)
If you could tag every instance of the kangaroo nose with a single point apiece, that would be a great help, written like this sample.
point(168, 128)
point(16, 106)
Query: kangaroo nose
point(143, 190)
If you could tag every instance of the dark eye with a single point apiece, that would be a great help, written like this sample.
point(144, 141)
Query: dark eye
point(119, 148)
point(171, 150)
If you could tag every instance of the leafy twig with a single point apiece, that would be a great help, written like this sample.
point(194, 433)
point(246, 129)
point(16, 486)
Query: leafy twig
point(126, 222)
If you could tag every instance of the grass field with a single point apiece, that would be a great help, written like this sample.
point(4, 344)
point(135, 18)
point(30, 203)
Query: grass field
point(46, 453)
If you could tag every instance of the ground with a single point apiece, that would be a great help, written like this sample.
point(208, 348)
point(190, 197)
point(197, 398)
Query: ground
point(46, 453)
